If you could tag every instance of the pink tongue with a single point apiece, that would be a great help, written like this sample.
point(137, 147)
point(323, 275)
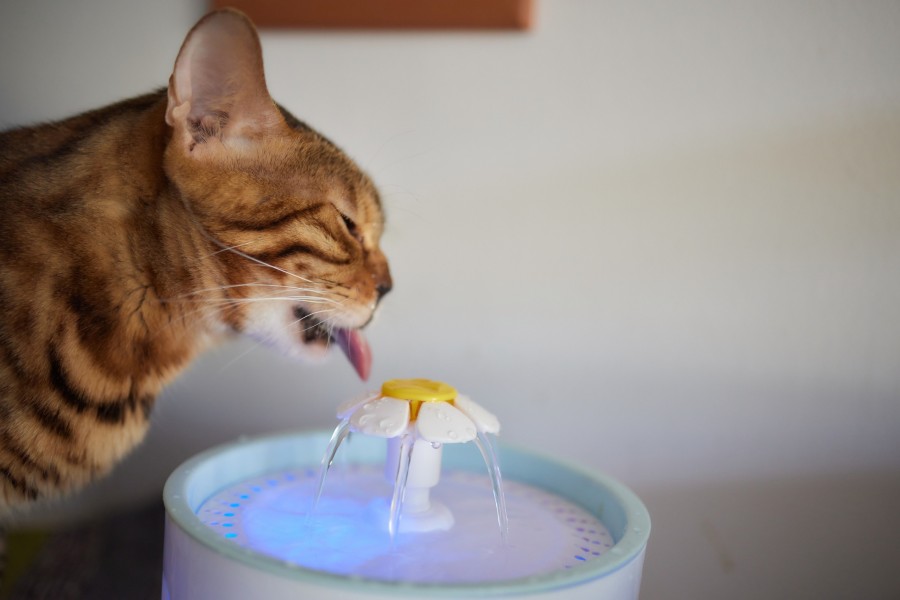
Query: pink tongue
point(355, 346)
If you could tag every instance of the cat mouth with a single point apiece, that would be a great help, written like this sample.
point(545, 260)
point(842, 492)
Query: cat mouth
point(351, 341)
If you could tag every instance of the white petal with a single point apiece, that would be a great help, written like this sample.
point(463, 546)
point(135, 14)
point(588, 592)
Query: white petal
point(382, 417)
point(484, 420)
point(350, 406)
point(442, 422)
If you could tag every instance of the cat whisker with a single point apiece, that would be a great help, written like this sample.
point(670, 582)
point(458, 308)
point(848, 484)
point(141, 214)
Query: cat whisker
point(231, 362)
point(222, 288)
point(239, 301)
point(253, 347)
point(295, 298)
point(339, 290)
point(331, 328)
point(260, 262)
point(227, 249)
point(314, 314)
point(234, 249)
point(212, 309)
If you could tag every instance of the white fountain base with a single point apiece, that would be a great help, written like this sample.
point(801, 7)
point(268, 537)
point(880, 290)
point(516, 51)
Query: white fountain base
point(237, 526)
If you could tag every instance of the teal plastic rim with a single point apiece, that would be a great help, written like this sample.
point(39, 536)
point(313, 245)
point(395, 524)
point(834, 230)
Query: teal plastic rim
point(615, 505)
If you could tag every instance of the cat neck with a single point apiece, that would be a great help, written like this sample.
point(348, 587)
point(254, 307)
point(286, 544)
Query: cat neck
point(172, 258)
point(136, 258)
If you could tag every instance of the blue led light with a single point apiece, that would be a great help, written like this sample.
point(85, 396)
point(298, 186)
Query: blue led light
point(346, 534)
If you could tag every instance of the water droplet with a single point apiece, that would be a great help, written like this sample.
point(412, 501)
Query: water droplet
point(385, 423)
point(435, 445)
point(365, 420)
point(452, 435)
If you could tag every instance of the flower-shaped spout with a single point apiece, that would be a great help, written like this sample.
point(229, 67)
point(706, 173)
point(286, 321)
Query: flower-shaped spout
point(432, 410)
point(417, 417)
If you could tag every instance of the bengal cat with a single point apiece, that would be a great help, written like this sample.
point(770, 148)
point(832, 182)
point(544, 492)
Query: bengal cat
point(135, 236)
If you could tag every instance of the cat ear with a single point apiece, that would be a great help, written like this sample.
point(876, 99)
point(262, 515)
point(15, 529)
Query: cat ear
point(218, 88)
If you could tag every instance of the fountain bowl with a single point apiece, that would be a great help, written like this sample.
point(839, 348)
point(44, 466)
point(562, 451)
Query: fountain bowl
point(198, 563)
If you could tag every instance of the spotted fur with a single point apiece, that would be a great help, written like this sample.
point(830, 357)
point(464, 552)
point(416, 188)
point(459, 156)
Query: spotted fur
point(137, 235)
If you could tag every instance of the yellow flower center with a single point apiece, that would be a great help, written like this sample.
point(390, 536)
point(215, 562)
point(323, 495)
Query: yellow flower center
point(417, 391)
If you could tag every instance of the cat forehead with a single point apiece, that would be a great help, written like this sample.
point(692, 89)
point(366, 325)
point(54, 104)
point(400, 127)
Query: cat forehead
point(359, 201)
point(320, 173)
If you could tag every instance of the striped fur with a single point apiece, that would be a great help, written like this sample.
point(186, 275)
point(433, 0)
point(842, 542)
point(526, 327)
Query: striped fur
point(135, 236)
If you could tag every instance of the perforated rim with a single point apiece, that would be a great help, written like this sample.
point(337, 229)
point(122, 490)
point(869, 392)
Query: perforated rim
point(551, 533)
point(191, 483)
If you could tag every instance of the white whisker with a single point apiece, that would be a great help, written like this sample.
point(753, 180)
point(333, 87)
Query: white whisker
point(236, 301)
point(238, 357)
point(212, 302)
point(228, 248)
point(241, 285)
point(260, 262)
point(313, 314)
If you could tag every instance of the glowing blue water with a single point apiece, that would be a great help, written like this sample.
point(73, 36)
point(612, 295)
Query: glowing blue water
point(348, 533)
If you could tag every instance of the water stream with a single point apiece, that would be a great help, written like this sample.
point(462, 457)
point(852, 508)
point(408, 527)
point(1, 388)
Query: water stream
point(340, 434)
point(482, 442)
point(406, 449)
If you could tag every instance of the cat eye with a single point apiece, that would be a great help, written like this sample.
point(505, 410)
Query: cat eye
point(351, 227)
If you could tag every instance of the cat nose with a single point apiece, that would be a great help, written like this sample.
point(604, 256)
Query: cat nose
point(381, 275)
point(383, 288)
point(383, 284)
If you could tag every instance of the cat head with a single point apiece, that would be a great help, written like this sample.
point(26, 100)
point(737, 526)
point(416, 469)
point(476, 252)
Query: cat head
point(294, 223)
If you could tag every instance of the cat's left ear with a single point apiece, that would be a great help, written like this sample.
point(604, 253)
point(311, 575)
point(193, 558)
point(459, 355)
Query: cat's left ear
point(218, 88)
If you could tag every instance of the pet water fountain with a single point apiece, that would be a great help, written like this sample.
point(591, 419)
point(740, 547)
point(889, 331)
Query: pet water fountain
point(411, 506)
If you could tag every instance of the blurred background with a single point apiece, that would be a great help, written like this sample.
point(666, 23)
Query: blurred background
point(659, 239)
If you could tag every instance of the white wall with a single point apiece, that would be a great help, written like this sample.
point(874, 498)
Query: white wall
point(662, 239)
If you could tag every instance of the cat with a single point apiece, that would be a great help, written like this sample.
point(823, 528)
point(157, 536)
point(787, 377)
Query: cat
point(135, 236)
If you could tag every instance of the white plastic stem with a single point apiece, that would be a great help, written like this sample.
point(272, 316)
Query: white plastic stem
point(424, 468)
point(419, 512)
